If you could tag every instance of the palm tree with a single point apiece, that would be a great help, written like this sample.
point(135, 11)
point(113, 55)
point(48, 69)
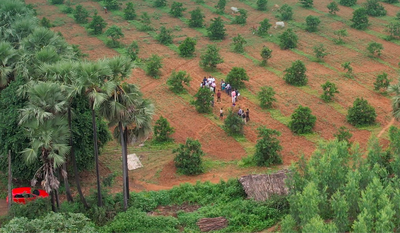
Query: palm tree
point(395, 89)
point(92, 75)
point(44, 120)
point(8, 56)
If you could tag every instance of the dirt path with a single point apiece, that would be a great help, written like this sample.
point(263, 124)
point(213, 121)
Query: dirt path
point(3, 207)
point(386, 127)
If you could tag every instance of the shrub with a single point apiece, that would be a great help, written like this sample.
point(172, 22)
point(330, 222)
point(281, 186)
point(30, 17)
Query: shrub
point(302, 121)
point(162, 130)
point(343, 134)
point(320, 52)
point(97, 24)
point(153, 66)
point(347, 2)
point(360, 19)
point(333, 7)
point(203, 100)
point(233, 124)
point(188, 159)
point(398, 15)
point(266, 54)
point(340, 34)
point(146, 21)
point(81, 14)
point(57, 2)
point(132, 51)
point(111, 4)
point(391, 1)
point(286, 12)
point(349, 70)
point(115, 33)
point(165, 36)
point(374, 8)
point(238, 43)
point(220, 7)
point(177, 9)
point(394, 30)
point(361, 114)
point(329, 91)
point(262, 5)
point(216, 31)
point(31, 210)
point(296, 74)
point(187, 47)
point(264, 27)
point(312, 23)
point(211, 58)
point(196, 18)
point(288, 39)
point(160, 3)
point(241, 18)
point(307, 3)
point(129, 11)
point(67, 10)
point(382, 82)
point(268, 147)
point(45, 22)
point(236, 77)
point(177, 79)
point(375, 48)
point(266, 96)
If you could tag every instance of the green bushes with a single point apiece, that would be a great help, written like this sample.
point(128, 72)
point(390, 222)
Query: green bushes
point(97, 25)
point(177, 79)
point(196, 18)
point(263, 28)
point(333, 8)
point(330, 90)
point(340, 34)
point(112, 4)
point(132, 51)
point(187, 47)
point(361, 114)
point(162, 130)
point(262, 5)
point(216, 31)
point(320, 52)
point(160, 3)
point(238, 43)
point(233, 124)
point(288, 39)
point(360, 19)
point(211, 58)
point(266, 96)
point(286, 12)
point(267, 147)
point(347, 2)
point(115, 33)
point(374, 48)
point(129, 11)
point(188, 158)
point(81, 14)
point(153, 66)
point(177, 9)
point(241, 18)
point(296, 74)
point(307, 3)
point(374, 8)
point(165, 36)
point(203, 100)
point(236, 77)
point(220, 7)
point(266, 54)
point(302, 121)
point(312, 23)
point(382, 82)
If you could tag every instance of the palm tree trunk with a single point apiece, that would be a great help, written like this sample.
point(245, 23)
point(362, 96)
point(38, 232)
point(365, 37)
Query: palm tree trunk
point(72, 154)
point(57, 199)
point(124, 167)
point(53, 206)
point(126, 159)
point(96, 158)
point(66, 184)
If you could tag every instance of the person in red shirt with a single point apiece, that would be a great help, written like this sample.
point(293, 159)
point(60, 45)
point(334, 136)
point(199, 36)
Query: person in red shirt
point(218, 96)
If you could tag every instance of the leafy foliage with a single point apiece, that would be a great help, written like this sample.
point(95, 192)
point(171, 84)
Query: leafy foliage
point(286, 12)
point(233, 124)
point(97, 24)
point(343, 134)
point(302, 121)
point(177, 79)
point(360, 19)
point(187, 47)
point(312, 23)
point(160, 3)
point(333, 7)
point(81, 14)
point(153, 66)
point(146, 23)
point(112, 4)
point(382, 82)
point(163, 130)
point(375, 48)
point(220, 6)
point(216, 31)
point(132, 51)
point(340, 34)
point(31, 210)
point(374, 8)
point(57, 2)
point(241, 18)
point(288, 39)
point(262, 5)
point(115, 33)
point(236, 77)
point(165, 36)
point(391, 1)
point(266, 96)
point(203, 100)
point(329, 91)
point(263, 28)
point(347, 2)
point(296, 74)
point(268, 147)
point(394, 30)
point(196, 18)
point(307, 3)
point(211, 58)
point(188, 158)
point(45, 22)
point(238, 43)
point(266, 54)
point(129, 11)
point(349, 69)
point(361, 114)
point(320, 52)
point(177, 9)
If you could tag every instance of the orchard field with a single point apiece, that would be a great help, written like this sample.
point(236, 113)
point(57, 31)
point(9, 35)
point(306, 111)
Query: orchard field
point(224, 153)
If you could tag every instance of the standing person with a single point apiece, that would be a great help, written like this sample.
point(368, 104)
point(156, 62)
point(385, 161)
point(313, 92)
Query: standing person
point(105, 10)
point(223, 86)
point(244, 117)
point(233, 94)
point(247, 115)
point(240, 112)
point(204, 81)
point(221, 114)
point(237, 94)
point(222, 81)
point(227, 88)
point(213, 86)
point(218, 96)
